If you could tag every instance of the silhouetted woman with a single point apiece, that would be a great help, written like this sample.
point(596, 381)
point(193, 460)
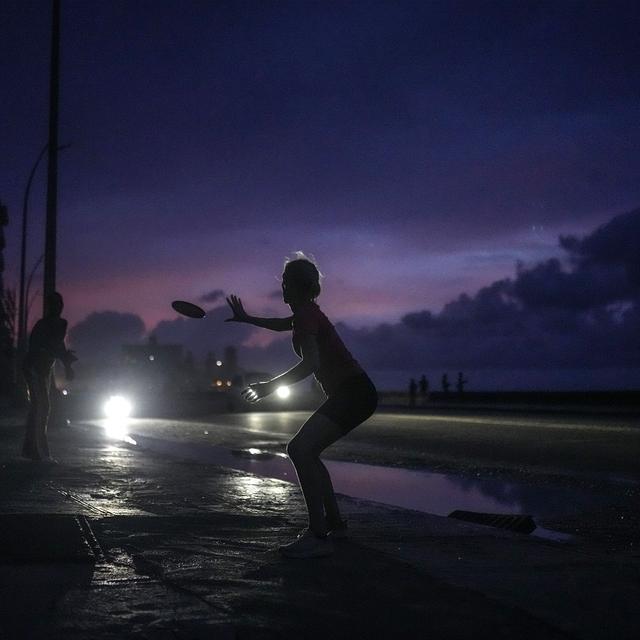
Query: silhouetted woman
point(46, 345)
point(351, 399)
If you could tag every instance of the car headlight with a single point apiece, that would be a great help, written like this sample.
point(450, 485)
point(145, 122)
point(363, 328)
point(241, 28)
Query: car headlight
point(117, 408)
point(283, 392)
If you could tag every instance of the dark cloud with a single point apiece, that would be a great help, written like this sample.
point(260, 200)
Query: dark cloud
point(212, 296)
point(548, 285)
point(615, 244)
point(585, 315)
point(100, 336)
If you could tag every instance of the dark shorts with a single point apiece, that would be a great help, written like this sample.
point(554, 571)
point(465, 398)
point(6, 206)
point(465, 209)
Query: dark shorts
point(352, 403)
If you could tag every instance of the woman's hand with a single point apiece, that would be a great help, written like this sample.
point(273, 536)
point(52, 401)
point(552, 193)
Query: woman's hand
point(239, 314)
point(257, 391)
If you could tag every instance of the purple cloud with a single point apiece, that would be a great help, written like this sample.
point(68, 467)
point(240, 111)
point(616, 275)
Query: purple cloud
point(212, 296)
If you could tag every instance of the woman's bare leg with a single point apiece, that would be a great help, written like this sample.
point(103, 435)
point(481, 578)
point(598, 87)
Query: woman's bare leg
point(315, 435)
point(331, 509)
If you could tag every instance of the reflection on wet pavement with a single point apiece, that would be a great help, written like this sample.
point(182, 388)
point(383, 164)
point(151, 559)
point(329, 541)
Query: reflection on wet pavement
point(434, 493)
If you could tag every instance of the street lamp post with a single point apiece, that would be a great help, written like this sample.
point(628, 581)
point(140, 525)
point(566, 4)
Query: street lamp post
point(22, 324)
point(22, 302)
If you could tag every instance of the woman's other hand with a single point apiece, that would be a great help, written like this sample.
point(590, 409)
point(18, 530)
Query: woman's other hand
point(239, 314)
point(257, 391)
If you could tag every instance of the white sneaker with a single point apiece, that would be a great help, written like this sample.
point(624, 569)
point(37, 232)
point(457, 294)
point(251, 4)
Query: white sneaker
point(307, 545)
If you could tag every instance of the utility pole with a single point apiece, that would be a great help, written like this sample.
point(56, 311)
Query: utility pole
point(52, 175)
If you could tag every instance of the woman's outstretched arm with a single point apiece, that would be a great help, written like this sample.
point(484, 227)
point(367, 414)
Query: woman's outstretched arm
point(309, 363)
point(240, 315)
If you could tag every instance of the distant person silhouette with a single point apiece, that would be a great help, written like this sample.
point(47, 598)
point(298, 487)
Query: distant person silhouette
point(461, 382)
point(423, 386)
point(413, 390)
point(445, 384)
point(46, 345)
point(351, 399)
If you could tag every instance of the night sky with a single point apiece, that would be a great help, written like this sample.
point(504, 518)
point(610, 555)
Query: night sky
point(430, 155)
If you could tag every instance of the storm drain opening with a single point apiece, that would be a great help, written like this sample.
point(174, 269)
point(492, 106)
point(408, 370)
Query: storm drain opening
point(517, 523)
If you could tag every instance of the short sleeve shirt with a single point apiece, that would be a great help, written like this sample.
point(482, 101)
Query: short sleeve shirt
point(336, 362)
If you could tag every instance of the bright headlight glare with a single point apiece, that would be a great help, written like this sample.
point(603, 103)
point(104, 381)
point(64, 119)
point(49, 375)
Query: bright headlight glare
point(117, 408)
point(116, 428)
point(283, 392)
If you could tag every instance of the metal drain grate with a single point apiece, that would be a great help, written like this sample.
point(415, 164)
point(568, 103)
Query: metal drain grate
point(517, 523)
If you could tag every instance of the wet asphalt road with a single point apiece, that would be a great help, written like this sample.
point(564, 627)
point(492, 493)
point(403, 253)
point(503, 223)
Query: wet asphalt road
point(582, 446)
point(595, 457)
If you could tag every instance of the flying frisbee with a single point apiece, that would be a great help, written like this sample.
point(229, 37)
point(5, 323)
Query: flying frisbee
point(188, 309)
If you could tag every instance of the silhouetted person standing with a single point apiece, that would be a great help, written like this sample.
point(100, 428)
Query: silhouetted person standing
point(413, 389)
point(46, 345)
point(461, 382)
point(423, 385)
point(445, 384)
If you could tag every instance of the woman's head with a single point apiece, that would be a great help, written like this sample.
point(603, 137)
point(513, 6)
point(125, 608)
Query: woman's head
point(300, 279)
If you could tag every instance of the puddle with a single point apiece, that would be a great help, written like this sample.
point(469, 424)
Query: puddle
point(434, 493)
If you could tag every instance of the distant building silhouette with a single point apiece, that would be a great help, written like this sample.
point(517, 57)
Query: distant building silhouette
point(230, 362)
point(210, 365)
point(154, 366)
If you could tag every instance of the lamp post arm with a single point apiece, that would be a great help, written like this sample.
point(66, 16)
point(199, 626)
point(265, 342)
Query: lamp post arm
point(22, 323)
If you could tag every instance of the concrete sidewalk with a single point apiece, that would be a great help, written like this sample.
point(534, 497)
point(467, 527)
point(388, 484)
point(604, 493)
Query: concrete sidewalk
point(188, 550)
